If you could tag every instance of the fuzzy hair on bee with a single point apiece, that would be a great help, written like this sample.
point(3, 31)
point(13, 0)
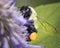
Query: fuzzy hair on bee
point(29, 13)
point(33, 14)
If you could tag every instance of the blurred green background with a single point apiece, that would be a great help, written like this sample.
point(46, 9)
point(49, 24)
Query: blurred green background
point(48, 10)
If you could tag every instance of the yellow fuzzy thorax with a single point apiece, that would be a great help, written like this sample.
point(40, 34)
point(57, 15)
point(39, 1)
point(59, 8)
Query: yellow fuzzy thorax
point(33, 15)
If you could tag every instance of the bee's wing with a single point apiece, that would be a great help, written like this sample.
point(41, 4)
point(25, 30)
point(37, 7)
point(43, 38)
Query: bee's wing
point(45, 25)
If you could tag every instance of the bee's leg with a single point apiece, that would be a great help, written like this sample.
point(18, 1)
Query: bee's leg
point(33, 28)
point(28, 39)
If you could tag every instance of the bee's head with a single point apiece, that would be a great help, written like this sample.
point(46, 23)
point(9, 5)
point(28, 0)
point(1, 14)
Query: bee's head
point(26, 11)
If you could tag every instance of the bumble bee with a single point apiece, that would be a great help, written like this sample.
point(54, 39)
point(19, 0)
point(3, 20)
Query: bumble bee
point(30, 14)
point(26, 11)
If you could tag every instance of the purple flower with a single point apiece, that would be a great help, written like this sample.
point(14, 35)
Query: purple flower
point(12, 27)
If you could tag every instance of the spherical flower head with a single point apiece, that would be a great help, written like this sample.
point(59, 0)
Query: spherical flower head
point(11, 27)
point(7, 3)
